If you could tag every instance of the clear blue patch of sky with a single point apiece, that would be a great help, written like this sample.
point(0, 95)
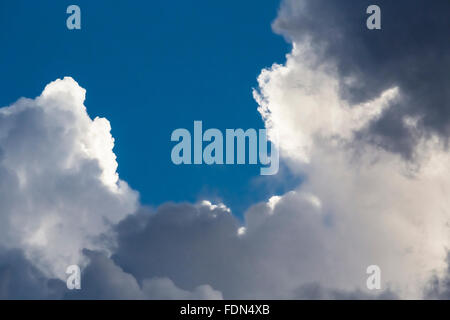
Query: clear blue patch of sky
point(151, 67)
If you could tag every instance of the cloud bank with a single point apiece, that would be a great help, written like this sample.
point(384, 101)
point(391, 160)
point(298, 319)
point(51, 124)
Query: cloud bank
point(357, 114)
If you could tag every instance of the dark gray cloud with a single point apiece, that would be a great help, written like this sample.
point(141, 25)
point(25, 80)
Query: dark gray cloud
point(190, 245)
point(103, 279)
point(184, 251)
point(282, 249)
point(411, 51)
point(19, 279)
point(438, 287)
point(315, 291)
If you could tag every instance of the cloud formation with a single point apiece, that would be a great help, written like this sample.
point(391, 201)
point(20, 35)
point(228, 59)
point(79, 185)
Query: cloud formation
point(103, 279)
point(356, 113)
point(285, 250)
point(59, 190)
point(381, 204)
point(20, 279)
point(409, 52)
point(61, 199)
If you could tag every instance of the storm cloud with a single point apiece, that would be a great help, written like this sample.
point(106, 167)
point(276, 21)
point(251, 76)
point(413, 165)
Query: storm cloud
point(411, 52)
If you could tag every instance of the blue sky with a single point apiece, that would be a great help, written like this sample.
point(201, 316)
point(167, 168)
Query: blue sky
point(150, 67)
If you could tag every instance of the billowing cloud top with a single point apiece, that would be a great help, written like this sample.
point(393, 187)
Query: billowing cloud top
point(59, 186)
point(409, 52)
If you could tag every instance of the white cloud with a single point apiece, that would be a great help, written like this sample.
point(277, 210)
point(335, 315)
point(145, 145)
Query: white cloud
point(164, 288)
point(311, 90)
point(59, 189)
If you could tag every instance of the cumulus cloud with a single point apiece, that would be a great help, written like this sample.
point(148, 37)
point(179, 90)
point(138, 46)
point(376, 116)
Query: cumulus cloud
point(379, 205)
point(285, 248)
point(314, 291)
point(20, 279)
point(59, 189)
point(409, 52)
point(103, 279)
point(60, 200)
point(438, 286)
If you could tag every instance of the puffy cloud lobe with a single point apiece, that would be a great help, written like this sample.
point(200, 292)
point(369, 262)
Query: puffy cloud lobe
point(304, 93)
point(438, 286)
point(192, 245)
point(287, 246)
point(103, 279)
point(19, 279)
point(409, 52)
point(314, 291)
point(58, 181)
